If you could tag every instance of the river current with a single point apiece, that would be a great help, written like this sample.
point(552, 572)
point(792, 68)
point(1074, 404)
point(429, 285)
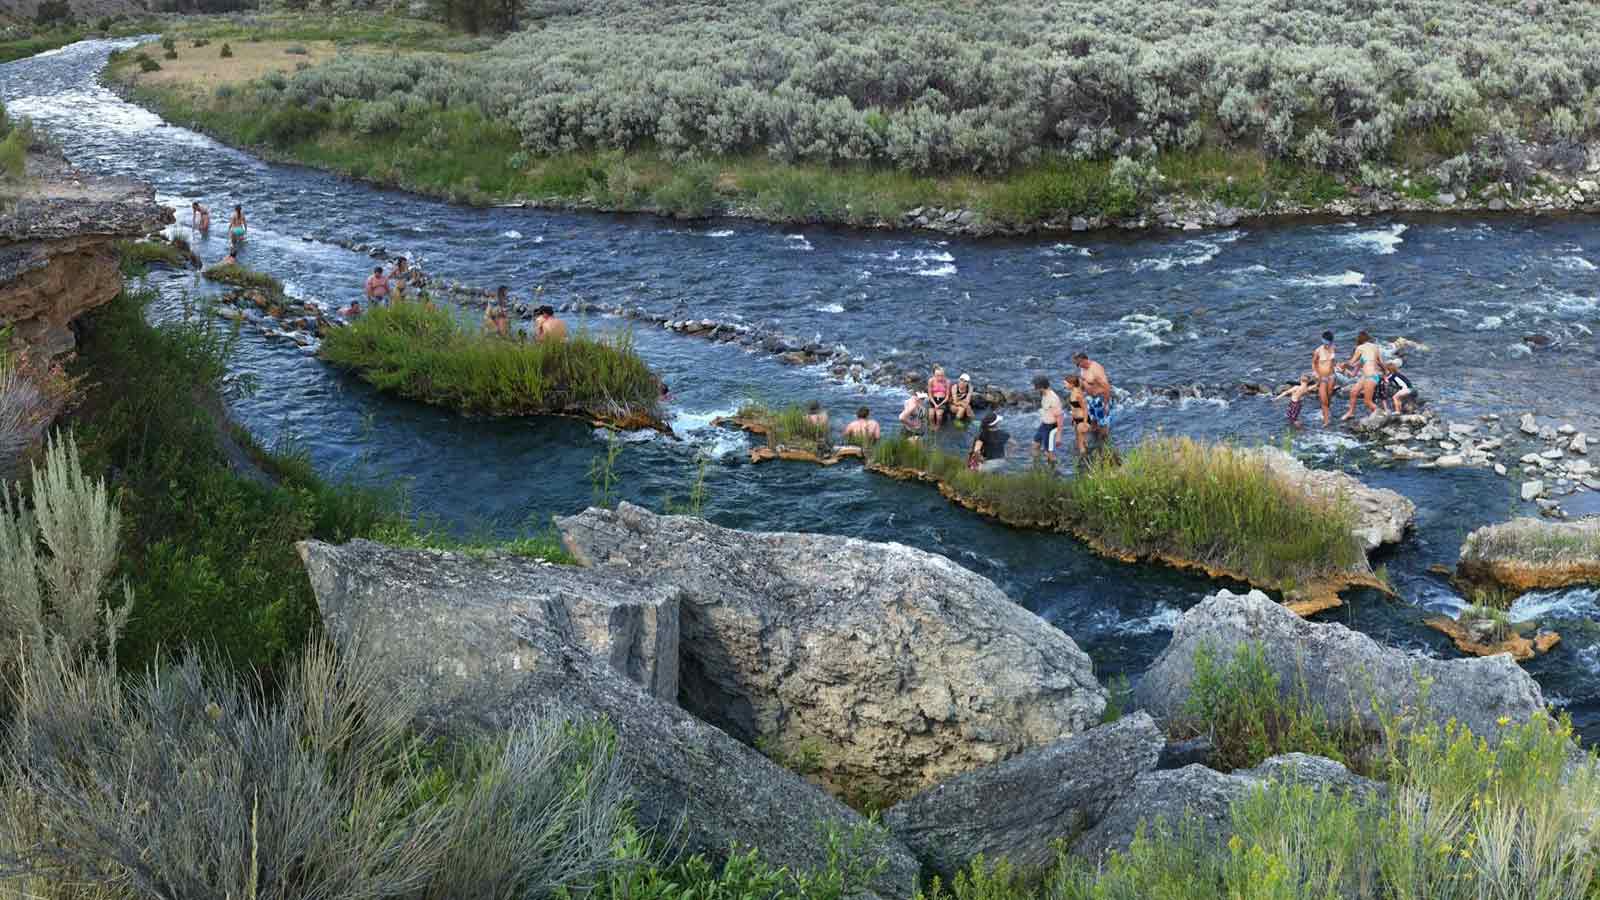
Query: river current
point(1161, 310)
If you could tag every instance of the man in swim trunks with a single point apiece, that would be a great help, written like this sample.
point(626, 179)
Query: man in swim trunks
point(546, 327)
point(1048, 434)
point(816, 415)
point(1322, 367)
point(961, 398)
point(864, 430)
point(377, 287)
point(199, 217)
point(1370, 359)
point(912, 423)
point(1097, 393)
point(938, 396)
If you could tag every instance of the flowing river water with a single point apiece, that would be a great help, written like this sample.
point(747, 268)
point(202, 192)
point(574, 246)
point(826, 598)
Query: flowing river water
point(1161, 311)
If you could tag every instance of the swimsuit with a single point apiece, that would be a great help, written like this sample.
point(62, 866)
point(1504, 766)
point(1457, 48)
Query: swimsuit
point(936, 393)
point(1099, 416)
point(1294, 410)
point(1045, 436)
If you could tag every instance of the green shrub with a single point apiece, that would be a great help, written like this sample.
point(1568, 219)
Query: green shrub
point(146, 64)
point(14, 152)
point(138, 256)
point(227, 51)
point(286, 126)
point(296, 50)
point(790, 427)
point(425, 354)
point(170, 54)
point(239, 276)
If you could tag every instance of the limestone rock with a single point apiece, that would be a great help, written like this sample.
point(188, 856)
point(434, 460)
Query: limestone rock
point(1344, 672)
point(1580, 443)
point(1527, 425)
point(1532, 490)
point(897, 667)
point(692, 784)
point(466, 621)
point(1528, 554)
point(1207, 797)
point(1019, 808)
point(1382, 515)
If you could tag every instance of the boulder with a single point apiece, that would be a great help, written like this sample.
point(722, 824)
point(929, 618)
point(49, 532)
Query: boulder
point(1018, 809)
point(887, 668)
point(462, 621)
point(1207, 797)
point(1344, 672)
point(1528, 554)
point(1383, 516)
point(447, 637)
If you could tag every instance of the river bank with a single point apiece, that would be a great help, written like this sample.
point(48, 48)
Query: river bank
point(462, 155)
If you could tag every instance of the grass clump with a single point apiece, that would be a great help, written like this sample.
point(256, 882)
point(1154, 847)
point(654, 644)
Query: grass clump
point(1535, 541)
point(139, 256)
point(16, 138)
point(789, 428)
point(239, 276)
point(425, 354)
point(1170, 497)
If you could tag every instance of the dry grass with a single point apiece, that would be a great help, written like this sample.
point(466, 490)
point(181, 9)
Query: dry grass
point(1535, 541)
point(201, 70)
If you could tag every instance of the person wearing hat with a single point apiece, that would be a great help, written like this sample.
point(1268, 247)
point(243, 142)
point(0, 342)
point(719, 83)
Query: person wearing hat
point(989, 448)
point(546, 327)
point(961, 399)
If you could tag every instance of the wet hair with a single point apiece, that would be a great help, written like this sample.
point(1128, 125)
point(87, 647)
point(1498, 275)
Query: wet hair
point(501, 291)
point(1073, 380)
point(863, 413)
point(377, 270)
point(238, 209)
point(400, 260)
point(1080, 355)
point(1040, 382)
point(814, 406)
point(1327, 336)
point(1363, 338)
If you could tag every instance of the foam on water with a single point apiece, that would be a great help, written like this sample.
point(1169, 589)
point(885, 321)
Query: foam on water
point(1148, 329)
point(1165, 618)
point(1382, 241)
point(830, 308)
point(1541, 606)
point(512, 234)
point(942, 271)
point(1195, 253)
point(1348, 278)
point(798, 242)
point(1574, 263)
point(716, 442)
point(1490, 323)
point(1065, 249)
point(720, 233)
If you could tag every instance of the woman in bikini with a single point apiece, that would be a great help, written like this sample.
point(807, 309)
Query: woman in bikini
point(1078, 409)
point(938, 396)
point(1370, 358)
point(961, 398)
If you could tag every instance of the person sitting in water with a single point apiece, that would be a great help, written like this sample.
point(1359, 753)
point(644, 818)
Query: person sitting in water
point(988, 451)
point(1077, 412)
point(816, 415)
point(377, 287)
point(1401, 390)
point(199, 217)
point(938, 396)
point(864, 430)
point(1297, 395)
point(546, 327)
point(961, 399)
point(351, 311)
point(1097, 391)
point(1048, 433)
point(912, 423)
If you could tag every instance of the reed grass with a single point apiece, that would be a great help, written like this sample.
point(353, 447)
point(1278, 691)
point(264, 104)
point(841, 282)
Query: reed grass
point(239, 276)
point(790, 427)
point(138, 256)
point(425, 354)
point(1171, 497)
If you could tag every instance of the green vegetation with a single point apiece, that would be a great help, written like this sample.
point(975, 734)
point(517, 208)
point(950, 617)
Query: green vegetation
point(239, 276)
point(16, 138)
point(1171, 497)
point(790, 427)
point(1534, 542)
point(1238, 703)
point(138, 256)
point(425, 354)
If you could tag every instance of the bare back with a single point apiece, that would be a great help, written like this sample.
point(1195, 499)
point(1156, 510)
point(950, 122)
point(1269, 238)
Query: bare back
point(1095, 382)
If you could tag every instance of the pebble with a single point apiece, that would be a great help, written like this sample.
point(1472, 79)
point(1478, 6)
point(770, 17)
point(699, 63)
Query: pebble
point(1499, 469)
point(1532, 489)
point(1450, 461)
point(1580, 443)
point(1553, 453)
point(1567, 429)
point(1530, 459)
point(1527, 425)
point(1547, 433)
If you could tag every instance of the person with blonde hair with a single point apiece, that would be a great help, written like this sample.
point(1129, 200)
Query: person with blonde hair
point(938, 396)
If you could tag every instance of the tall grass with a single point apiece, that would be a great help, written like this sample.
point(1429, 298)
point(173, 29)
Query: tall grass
point(1170, 497)
point(425, 354)
point(790, 427)
point(239, 276)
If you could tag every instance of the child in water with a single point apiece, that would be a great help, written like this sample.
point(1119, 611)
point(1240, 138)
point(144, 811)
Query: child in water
point(1296, 394)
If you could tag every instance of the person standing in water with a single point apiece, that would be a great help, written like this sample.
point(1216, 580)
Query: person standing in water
point(1322, 368)
point(863, 431)
point(1370, 359)
point(1297, 395)
point(377, 287)
point(938, 396)
point(1097, 393)
point(546, 327)
point(1077, 412)
point(1048, 434)
point(237, 226)
point(816, 415)
point(912, 423)
point(199, 218)
point(495, 319)
point(961, 399)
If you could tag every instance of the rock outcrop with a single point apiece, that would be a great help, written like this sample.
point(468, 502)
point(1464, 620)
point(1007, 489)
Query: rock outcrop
point(489, 643)
point(57, 248)
point(1382, 515)
point(460, 622)
point(1018, 809)
point(1531, 554)
point(888, 669)
point(1344, 672)
point(1207, 797)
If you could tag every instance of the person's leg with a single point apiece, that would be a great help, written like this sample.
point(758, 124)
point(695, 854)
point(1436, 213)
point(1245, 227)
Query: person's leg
point(1399, 399)
point(1369, 389)
point(1325, 395)
point(1081, 435)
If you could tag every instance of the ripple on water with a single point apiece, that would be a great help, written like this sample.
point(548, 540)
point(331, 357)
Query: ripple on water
point(1382, 241)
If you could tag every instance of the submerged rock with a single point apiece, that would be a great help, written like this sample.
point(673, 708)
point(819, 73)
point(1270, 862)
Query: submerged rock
point(1345, 673)
point(453, 628)
point(888, 668)
point(1528, 554)
point(1018, 809)
point(1383, 516)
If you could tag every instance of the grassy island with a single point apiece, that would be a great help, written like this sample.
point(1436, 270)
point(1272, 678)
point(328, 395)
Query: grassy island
point(1172, 499)
point(238, 276)
point(425, 354)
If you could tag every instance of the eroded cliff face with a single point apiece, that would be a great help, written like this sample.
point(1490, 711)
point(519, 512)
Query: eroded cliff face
point(58, 255)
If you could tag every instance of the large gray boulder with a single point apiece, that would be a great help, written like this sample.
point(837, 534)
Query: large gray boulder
point(1344, 672)
point(1204, 798)
point(883, 668)
point(1382, 515)
point(1018, 809)
point(488, 644)
point(457, 620)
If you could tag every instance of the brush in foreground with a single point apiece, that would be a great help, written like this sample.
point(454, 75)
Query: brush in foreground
point(425, 354)
point(1171, 498)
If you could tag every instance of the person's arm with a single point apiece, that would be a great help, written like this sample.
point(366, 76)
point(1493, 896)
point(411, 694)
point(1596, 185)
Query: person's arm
point(1286, 392)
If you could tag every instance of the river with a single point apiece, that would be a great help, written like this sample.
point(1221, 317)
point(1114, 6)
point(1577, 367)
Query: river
point(1160, 310)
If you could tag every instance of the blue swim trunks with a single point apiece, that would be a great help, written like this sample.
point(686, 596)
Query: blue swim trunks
point(1099, 416)
point(1045, 436)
